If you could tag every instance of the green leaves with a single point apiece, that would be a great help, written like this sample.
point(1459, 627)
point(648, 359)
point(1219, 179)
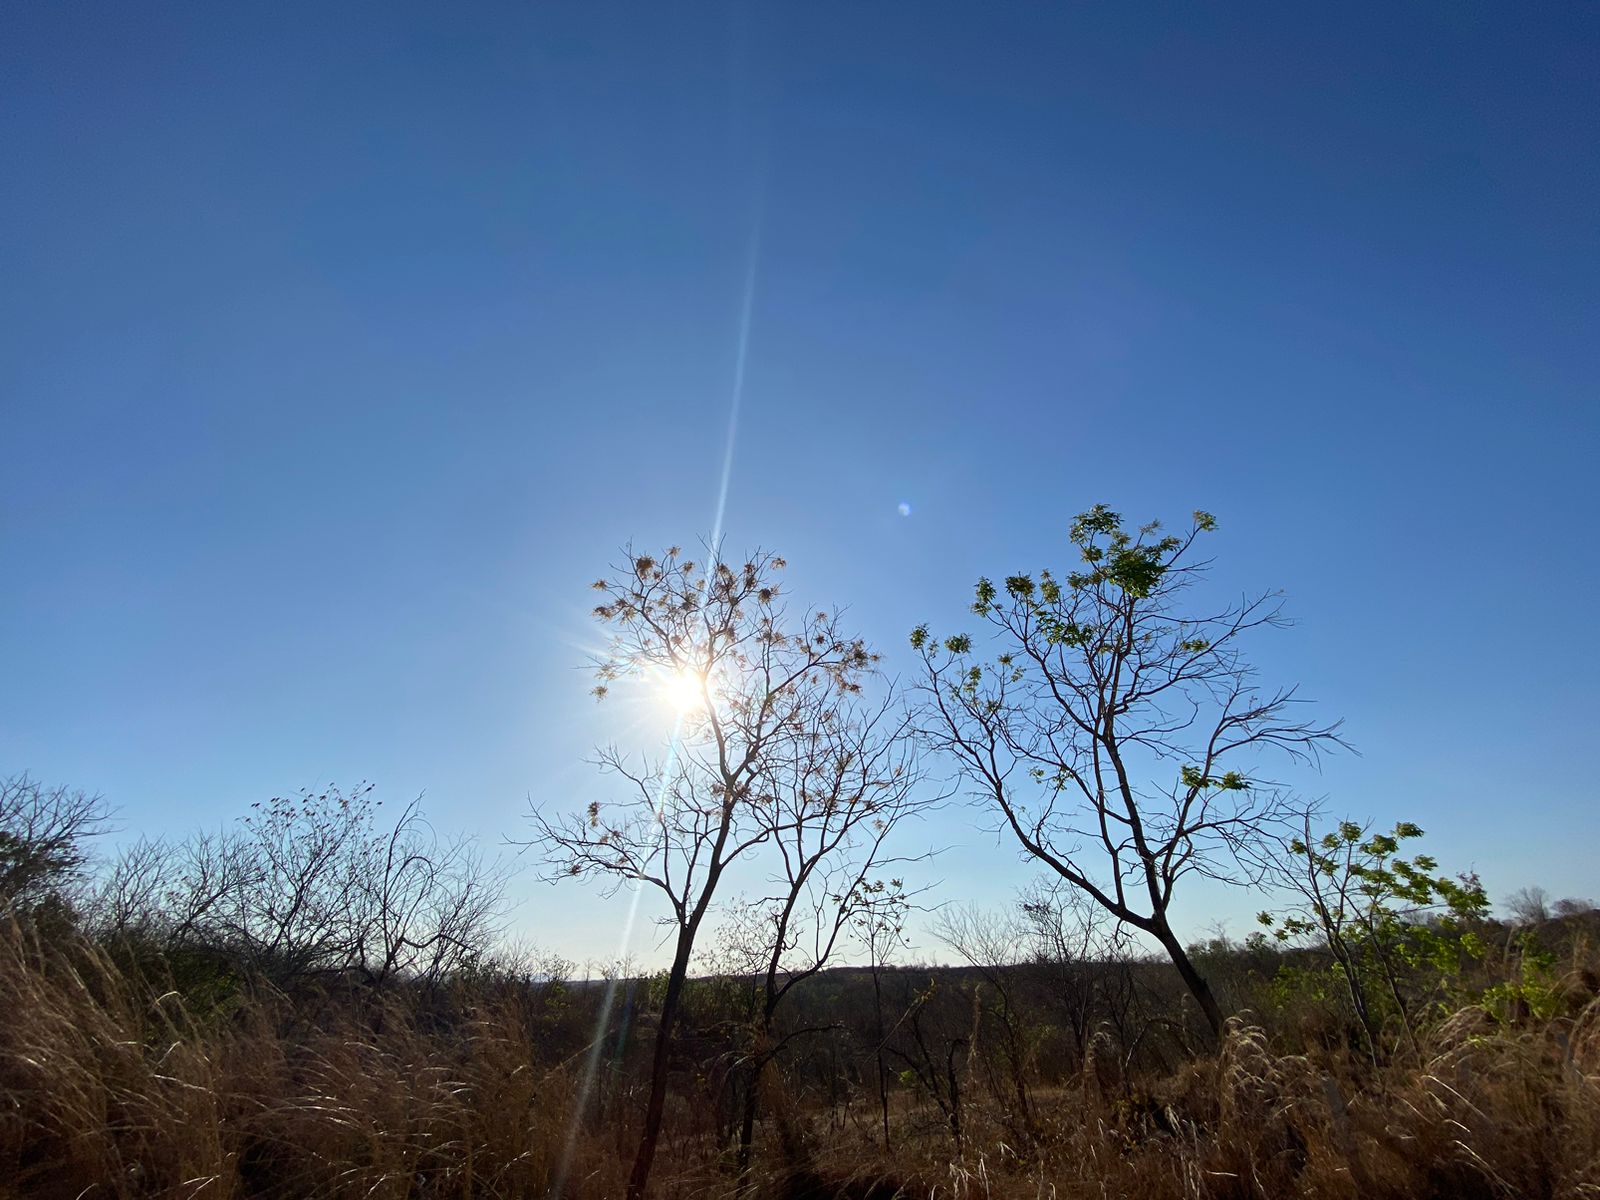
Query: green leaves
point(1534, 988)
point(1132, 564)
point(1065, 633)
point(1098, 521)
point(1397, 929)
point(1124, 567)
point(1196, 780)
point(956, 644)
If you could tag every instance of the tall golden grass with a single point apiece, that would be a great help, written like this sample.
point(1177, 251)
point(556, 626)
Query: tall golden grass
point(1490, 1112)
point(111, 1086)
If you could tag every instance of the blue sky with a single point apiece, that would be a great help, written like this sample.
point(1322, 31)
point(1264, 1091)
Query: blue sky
point(341, 346)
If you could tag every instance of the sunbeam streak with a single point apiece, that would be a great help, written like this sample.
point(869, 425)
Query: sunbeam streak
point(591, 1067)
point(685, 693)
point(741, 358)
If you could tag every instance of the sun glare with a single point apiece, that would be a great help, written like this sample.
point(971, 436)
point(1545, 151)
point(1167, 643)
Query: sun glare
point(687, 690)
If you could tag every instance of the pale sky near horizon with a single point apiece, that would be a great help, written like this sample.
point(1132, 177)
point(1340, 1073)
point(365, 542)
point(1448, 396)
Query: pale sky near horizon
point(342, 345)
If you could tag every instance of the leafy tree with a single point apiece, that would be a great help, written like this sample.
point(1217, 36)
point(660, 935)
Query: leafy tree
point(1116, 731)
point(1532, 988)
point(1379, 915)
point(771, 747)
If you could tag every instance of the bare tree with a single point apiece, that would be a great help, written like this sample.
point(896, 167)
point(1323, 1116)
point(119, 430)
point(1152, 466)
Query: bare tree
point(1113, 733)
point(426, 906)
point(754, 689)
point(43, 836)
point(313, 884)
point(992, 944)
point(879, 926)
point(1529, 906)
point(304, 861)
point(933, 1047)
point(838, 784)
point(170, 893)
point(1083, 952)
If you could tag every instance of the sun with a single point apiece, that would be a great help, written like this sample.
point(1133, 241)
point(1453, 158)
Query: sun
point(687, 690)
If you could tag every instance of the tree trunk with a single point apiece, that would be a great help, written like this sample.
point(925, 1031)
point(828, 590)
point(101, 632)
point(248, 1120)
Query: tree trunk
point(955, 1093)
point(760, 1053)
point(747, 1130)
point(1358, 995)
point(1196, 982)
point(883, 1073)
point(640, 1176)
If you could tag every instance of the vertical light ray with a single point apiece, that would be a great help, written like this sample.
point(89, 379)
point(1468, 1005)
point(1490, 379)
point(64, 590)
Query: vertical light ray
point(741, 358)
point(591, 1067)
point(736, 403)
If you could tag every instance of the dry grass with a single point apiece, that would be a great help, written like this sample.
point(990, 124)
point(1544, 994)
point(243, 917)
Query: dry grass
point(1491, 1113)
point(110, 1087)
point(104, 1092)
